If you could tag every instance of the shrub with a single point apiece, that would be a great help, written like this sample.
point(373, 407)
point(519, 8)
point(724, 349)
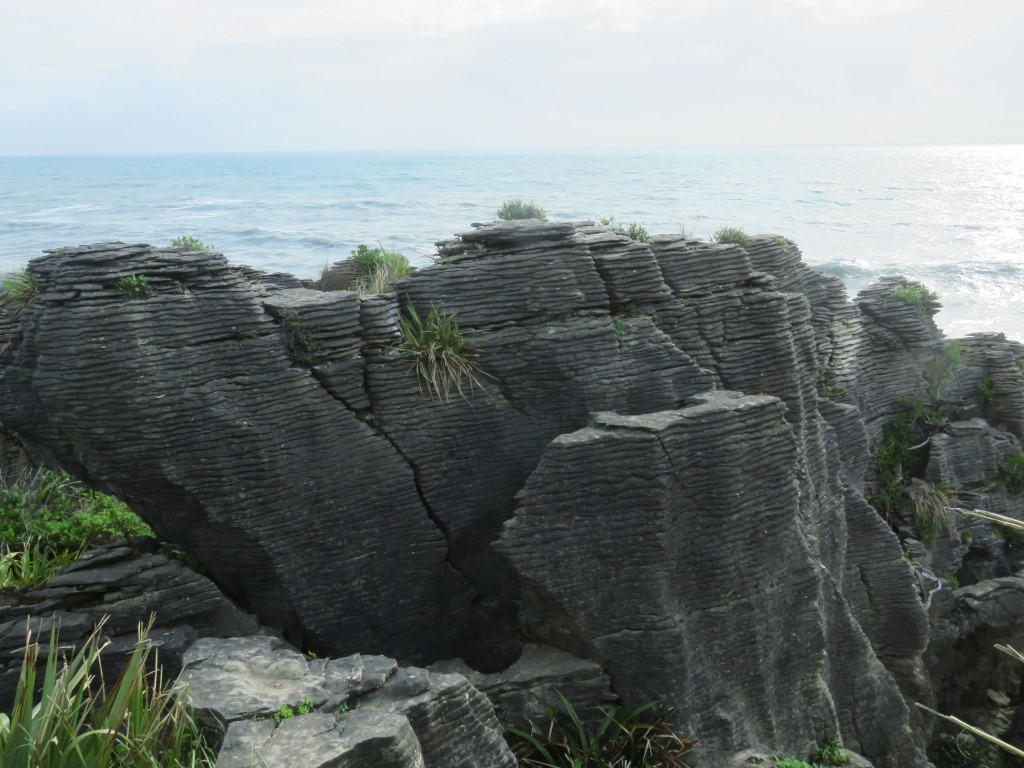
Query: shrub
point(81, 722)
point(517, 209)
point(17, 293)
point(941, 368)
point(733, 235)
point(917, 296)
point(830, 752)
point(190, 243)
point(135, 286)
point(637, 232)
point(440, 356)
point(640, 737)
point(51, 509)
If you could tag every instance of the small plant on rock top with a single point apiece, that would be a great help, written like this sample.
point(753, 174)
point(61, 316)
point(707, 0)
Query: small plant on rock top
point(516, 209)
point(830, 752)
point(134, 286)
point(733, 235)
point(637, 232)
point(190, 243)
point(444, 361)
point(917, 296)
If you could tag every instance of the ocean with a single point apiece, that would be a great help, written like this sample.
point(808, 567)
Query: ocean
point(949, 216)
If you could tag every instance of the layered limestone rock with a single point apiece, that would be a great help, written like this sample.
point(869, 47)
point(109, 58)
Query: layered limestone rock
point(673, 442)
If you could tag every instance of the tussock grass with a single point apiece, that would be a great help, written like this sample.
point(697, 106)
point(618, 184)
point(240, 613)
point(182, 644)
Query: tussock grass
point(444, 361)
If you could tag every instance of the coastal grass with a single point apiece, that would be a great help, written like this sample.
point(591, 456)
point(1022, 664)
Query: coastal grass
point(516, 209)
point(444, 361)
point(638, 737)
point(73, 718)
point(367, 271)
point(16, 293)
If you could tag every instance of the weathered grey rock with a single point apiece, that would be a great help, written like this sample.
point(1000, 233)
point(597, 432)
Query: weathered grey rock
point(673, 618)
point(367, 710)
point(361, 738)
point(126, 584)
point(526, 691)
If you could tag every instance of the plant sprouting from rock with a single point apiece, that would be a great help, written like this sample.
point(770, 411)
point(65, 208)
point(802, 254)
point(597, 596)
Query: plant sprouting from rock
point(444, 361)
point(987, 391)
point(917, 296)
point(17, 292)
point(639, 737)
point(134, 286)
point(190, 243)
point(733, 235)
point(515, 209)
point(302, 344)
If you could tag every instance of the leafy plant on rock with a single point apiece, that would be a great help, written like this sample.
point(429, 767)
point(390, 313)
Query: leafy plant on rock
point(190, 243)
point(917, 296)
point(1011, 471)
point(638, 737)
point(830, 752)
point(134, 286)
point(441, 357)
point(73, 718)
point(299, 339)
point(733, 235)
point(52, 510)
point(987, 391)
point(32, 565)
point(515, 209)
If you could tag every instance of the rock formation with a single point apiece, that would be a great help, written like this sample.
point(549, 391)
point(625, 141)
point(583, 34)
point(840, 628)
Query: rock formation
point(664, 468)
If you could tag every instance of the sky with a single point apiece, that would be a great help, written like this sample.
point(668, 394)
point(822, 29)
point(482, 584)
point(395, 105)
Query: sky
point(124, 76)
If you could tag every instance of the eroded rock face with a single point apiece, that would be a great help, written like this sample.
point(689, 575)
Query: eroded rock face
point(278, 434)
point(360, 710)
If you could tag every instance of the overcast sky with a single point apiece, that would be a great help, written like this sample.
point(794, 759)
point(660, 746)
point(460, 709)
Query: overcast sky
point(249, 75)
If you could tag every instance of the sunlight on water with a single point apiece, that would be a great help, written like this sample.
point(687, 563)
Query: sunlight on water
point(952, 217)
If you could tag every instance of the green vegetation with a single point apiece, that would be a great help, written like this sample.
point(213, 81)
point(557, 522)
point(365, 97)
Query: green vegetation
point(780, 241)
point(954, 582)
point(135, 286)
point(378, 268)
point(31, 566)
point(286, 712)
point(441, 357)
point(54, 511)
point(899, 465)
point(941, 369)
point(640, 737)
point(830, 752)
point(733, 235)
point(79, 721)
point(1011, 471)
point(17, 293)
point(191, 243)
point(889, 340)
point(987, 391)
point(961, 750)
point(633, 230)
point(617, 325)
point(917, 296)
point(299, 340)
point(517, 209)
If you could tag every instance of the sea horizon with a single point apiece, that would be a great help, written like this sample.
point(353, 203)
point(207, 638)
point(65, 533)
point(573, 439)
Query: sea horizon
point(951, 216)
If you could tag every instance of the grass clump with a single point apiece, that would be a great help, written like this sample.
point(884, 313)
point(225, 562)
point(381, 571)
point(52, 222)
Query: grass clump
point(32, 565)
point(79, 721)
point(442, 359)
point(640, 737)
point(733, 235)
point(917, 296)
point(378, 268)
point(632, 230)
point(516, 209)
point(190, 243)
point(299, 339)
point(830, 752)
point(135, 287)
point(55, 512)
point(17, 292)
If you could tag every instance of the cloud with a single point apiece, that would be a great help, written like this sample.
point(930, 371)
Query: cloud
point(317, 74)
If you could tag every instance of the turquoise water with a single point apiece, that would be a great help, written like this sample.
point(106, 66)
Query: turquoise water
point(952, 217)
